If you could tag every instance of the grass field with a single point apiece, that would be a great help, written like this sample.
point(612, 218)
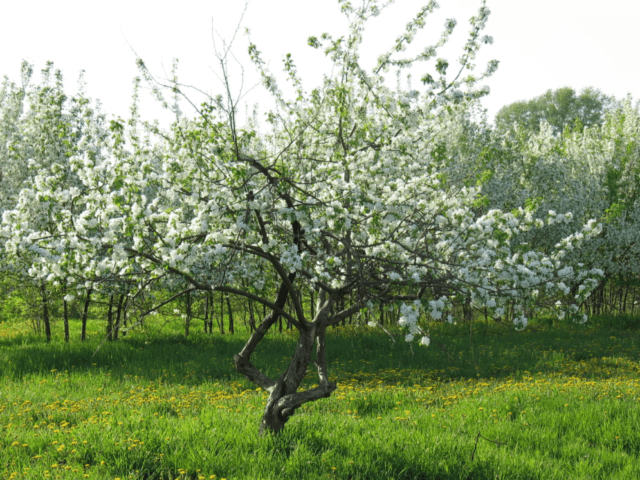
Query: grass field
point(552, 402)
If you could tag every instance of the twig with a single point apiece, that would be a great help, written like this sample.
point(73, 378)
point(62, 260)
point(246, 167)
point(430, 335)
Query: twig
point(476, 445)
point(386, 331)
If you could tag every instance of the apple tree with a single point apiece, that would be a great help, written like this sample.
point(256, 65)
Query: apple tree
point(341, 196)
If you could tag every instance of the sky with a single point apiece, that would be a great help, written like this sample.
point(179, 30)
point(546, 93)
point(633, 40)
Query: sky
point(541, 44)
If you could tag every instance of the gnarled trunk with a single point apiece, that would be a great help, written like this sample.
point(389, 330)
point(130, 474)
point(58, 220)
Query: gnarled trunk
point(284, 399)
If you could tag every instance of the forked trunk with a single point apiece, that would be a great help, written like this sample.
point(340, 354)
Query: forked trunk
point(274, 418)
point(284, 398)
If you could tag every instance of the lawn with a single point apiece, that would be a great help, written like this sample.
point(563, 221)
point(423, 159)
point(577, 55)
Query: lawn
point(553, 402)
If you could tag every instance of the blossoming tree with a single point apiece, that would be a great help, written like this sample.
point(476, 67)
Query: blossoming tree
point(341, 197)
point(592, 174)
point(40, 129)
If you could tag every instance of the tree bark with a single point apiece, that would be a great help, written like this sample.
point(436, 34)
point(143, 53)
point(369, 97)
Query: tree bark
point(313, 313)
point(284, 399)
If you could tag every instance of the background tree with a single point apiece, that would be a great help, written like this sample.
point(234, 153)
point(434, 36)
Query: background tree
point(593, 173)
point(560, 108)
point(41, 128)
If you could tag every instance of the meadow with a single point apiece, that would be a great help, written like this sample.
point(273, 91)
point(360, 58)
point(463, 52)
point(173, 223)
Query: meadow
point(557, 401)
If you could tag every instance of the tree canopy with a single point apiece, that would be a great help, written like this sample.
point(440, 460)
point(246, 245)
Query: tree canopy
point(560, 108)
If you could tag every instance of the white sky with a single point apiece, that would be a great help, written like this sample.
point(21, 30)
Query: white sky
point(541, 44)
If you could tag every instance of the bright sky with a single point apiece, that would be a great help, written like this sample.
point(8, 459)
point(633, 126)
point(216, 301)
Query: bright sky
point(541, 44)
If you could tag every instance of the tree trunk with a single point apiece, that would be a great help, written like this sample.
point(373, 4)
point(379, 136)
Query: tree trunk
point(221, 323)
point(284, 399)
point(124, 314)
point(288, 327)
point(110, 319)
point(187, 321)
point(116, 328)
point(211, 308)
point(45, 313)
point(206, 312)
point(313, 313)
point(252, 320)
point(65, 317)
point(85, 313)
point(467, 311)
point(231, 329)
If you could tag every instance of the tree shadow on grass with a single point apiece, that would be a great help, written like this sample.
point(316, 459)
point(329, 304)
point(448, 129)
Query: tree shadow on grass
point(169, 359)
point(366, 356)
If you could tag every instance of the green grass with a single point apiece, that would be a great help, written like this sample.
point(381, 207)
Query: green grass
point(563, 401)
